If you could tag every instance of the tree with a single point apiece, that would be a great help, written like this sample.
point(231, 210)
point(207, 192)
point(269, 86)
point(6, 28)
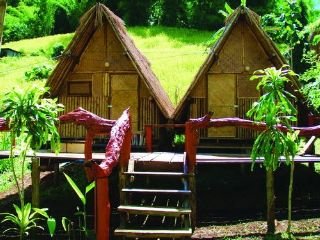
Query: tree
point(32, 121)
point(285, 26)
point(274, 107)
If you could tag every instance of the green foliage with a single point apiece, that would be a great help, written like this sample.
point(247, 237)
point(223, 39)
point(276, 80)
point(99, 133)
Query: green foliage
point(18, 22)
point(32, 119)
point(228, 10)
point(57, 50)
point(39, 72)
point(28, 113)
point(274, 107)
point(179, 139)
point(83, 198)
point(4, 141)
point(24, 219)
point(311, 80)
point(51, 223)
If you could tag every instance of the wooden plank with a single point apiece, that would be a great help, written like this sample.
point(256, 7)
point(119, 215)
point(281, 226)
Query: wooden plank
point(164, 157)
point(178, 158)
point(173, 174)
point(150, 156)
point(155, 191)
point(308, 145)
point(147, 233)
point(159, 211)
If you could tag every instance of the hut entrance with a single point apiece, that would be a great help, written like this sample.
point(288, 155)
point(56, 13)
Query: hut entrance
point(221, 100)
point(124, 93)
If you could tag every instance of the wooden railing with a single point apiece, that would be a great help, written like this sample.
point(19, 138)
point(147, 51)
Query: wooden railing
point(96, 105)
point(117, 151)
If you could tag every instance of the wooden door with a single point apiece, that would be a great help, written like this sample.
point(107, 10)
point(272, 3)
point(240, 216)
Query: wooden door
point(124, 94)
point(222, 102)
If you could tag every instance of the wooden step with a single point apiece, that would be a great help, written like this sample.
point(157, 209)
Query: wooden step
point(174, 174)
point(155, 191)
point(145, 233)
point(159, 211)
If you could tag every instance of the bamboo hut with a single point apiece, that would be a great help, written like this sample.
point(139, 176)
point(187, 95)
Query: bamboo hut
point(222, 84)
point(102, 71)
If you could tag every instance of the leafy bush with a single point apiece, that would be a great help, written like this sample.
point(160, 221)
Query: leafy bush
point(19, 22)
point(38, 73)
point(57, 50)
point(311, 80)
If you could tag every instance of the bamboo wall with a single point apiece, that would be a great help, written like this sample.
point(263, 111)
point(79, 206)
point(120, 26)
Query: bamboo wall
point(97, 105)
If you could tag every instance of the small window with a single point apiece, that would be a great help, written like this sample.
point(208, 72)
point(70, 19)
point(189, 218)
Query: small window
point(80, 88)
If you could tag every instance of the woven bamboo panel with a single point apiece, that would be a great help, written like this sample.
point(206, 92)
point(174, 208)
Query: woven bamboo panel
point(98, 84)
point(198, 108)
point(200, 89)
point(124, 94)
point(245, 105)
point(116, 54)
point(149, 114)
point(94, 56)
point(97, 105)
point(254, 56)
point(230, 58)
point(221, 100)
point(246, 87)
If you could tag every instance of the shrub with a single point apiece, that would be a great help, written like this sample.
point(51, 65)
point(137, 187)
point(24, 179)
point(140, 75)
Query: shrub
point(57, 50)
point(38, 73)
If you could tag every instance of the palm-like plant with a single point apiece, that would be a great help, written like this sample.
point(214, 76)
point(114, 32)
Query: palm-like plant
point(274, 108)
point(32, 120)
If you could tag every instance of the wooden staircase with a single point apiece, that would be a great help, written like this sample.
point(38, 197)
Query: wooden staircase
point(155, 204)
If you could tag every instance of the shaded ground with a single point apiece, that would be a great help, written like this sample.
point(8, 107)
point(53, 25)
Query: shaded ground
point(231, 201)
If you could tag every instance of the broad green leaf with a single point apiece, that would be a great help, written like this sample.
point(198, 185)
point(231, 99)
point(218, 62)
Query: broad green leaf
point(90, 187)
point(76, 189)
point(51, 223)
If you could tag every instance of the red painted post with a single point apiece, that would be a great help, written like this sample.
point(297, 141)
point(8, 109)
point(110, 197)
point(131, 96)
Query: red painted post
point(190, 146)
point(148, 129)
point(102, 209)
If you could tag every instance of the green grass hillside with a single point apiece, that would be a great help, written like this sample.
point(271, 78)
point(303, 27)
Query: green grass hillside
point(175, 55)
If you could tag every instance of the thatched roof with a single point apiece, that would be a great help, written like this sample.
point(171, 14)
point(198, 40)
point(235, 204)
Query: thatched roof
point(253, 22)
point(89, 23)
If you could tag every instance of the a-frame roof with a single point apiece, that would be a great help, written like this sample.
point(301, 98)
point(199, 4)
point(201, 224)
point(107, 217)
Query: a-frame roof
point(253, 22)
point(90, 22)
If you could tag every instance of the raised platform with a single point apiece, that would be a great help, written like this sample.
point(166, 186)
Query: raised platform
point(167, 157)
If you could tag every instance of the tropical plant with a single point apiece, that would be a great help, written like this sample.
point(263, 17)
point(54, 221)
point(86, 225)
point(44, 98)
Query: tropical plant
point(32, 121)
point(25, 219)
point(274, 108)
point(83, 198)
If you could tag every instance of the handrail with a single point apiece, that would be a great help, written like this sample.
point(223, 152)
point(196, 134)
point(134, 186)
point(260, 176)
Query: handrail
point(117, 150)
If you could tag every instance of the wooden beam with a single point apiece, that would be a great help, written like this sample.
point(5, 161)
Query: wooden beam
point(35, 179)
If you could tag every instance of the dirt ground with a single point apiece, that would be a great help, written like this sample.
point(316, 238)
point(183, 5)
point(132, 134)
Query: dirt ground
point(230, 201)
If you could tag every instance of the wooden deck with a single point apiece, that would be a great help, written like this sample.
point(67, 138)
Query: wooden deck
point(167, 157)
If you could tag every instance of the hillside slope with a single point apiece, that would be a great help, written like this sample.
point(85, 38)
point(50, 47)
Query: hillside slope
point(175, 55)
